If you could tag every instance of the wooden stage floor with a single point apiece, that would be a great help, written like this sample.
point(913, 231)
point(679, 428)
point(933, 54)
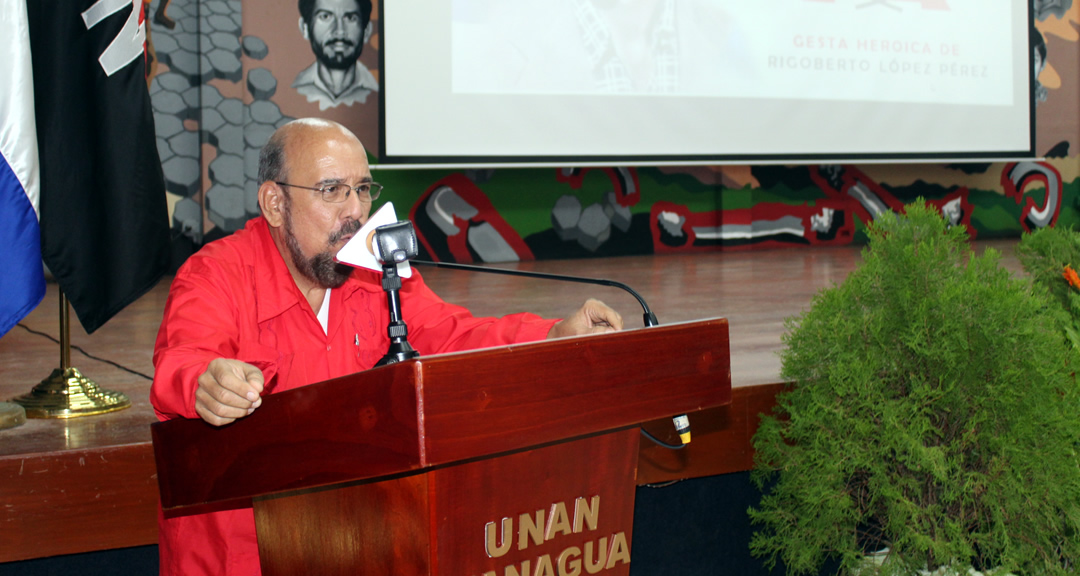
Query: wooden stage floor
point(92, 481)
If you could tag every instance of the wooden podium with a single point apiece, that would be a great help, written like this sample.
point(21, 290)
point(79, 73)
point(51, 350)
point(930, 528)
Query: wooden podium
point(513, 460)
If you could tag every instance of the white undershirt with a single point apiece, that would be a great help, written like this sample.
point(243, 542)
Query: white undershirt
point(324, 311)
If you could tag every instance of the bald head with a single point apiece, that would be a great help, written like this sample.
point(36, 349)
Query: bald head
point(309, 156)
point(273, 159)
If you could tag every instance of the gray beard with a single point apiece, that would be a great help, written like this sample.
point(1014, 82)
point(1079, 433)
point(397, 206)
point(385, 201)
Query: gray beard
point(320, 268)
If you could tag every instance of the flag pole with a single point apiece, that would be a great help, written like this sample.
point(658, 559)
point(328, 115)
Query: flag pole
point(66, 393)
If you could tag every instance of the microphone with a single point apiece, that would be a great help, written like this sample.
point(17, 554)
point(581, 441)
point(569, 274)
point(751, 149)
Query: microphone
point(681, 422)
point(393, 245)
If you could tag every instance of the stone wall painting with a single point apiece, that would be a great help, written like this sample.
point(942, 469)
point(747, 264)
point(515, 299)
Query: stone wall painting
point(229, 72)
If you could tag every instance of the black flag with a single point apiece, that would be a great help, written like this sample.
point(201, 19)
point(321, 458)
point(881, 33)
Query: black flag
point(104, 218)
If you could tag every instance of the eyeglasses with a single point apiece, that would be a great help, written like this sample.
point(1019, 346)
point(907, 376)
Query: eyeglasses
point(337, 193)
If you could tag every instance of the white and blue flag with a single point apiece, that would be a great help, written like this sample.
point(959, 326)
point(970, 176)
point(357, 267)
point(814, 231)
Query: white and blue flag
point(22, 280)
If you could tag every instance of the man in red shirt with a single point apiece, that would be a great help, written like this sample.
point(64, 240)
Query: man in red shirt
point(267, 309)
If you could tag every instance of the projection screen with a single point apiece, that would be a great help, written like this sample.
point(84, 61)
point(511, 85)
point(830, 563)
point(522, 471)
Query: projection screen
point(470, 82)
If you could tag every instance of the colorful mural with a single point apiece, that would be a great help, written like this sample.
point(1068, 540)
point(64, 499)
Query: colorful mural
point(221, 84)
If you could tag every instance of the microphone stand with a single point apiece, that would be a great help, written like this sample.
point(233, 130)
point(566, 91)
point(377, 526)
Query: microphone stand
point(400, 349)
point(395, 243)
point(681, 422)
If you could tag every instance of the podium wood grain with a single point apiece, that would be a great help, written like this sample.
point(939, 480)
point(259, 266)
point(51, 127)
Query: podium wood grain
point(443, 409)
point(433, 522)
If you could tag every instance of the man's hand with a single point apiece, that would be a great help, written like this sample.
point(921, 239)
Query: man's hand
point(593, 318)
point(229, 389)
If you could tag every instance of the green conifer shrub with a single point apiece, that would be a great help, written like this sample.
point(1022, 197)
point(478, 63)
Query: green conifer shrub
point(1051, 256)
point(933, 412)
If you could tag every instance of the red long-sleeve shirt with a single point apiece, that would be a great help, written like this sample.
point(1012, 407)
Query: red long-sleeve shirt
point(235, 298)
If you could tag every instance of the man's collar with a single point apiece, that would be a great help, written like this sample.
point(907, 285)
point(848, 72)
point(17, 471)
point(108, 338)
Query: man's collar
point(275, 289)
point(308, 84)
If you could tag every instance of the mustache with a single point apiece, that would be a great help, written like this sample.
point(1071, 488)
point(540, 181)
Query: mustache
point(345, 41)
point(349, 227)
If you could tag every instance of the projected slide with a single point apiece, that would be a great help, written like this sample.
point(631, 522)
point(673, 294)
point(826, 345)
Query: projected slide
point(640, 81)
point(945, 51)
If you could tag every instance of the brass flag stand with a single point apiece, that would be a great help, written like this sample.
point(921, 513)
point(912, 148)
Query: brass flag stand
point(66, 393)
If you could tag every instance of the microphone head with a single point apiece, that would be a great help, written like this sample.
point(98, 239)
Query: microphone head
point(361, 250)
point(396, 242)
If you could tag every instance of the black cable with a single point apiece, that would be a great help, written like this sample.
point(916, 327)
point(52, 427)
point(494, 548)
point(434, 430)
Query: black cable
point(661, 442)
point(84, 352)
point(650, 318)
point(669, 447)
point(663, 484)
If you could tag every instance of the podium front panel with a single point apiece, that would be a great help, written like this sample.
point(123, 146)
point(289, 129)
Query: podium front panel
point(567, 505)
point(550, 510)
point(369, 528)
